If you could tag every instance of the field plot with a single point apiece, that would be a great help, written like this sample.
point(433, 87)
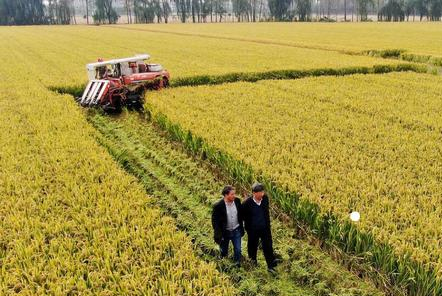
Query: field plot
point(60, 54)
point(186, 189)
point(360, 142)
point(352, 37)
point(71, 221)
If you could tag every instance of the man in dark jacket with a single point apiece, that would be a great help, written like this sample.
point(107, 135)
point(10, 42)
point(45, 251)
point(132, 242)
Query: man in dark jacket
point(227, 223)
point(255, 211)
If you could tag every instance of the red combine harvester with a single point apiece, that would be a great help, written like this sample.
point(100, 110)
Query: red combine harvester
point(122, 82)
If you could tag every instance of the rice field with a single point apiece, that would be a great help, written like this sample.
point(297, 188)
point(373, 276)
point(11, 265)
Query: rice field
point(364, 142)
point(72, 222)
point(63, 53)
point(417, 38)
point(81, 209)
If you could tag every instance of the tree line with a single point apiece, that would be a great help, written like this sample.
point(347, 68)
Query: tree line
point(33, 12)
point(36, 12)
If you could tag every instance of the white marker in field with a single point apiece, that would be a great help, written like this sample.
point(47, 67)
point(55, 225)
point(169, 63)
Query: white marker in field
point(354, 216)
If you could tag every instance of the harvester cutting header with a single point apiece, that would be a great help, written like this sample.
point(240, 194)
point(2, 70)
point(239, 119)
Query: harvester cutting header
point(122, 82)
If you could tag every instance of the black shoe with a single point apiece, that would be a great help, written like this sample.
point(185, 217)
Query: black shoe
point(254, 262)
point(276, 262)
point(271, 266)
point(271, 270)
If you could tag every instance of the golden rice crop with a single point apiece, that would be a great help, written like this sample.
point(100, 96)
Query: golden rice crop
point(71, 221)
point(58, 56)
point(366, 142)
point(418, 38)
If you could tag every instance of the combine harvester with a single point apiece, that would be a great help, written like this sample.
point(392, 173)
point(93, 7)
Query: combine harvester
point(122, 82)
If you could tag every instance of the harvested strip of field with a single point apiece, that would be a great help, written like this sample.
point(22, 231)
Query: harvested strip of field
point(59, 56)
point(186, 188)
point(314, 136)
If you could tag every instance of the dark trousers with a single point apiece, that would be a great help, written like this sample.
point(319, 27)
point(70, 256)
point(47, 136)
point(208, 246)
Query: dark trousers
point(267, 245)
point(235, 237)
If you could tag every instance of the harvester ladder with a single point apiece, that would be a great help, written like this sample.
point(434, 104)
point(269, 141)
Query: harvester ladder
point(93, 92)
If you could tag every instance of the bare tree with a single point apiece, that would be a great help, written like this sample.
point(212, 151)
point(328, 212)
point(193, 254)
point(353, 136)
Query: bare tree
point(128, 11)
point(87, 11)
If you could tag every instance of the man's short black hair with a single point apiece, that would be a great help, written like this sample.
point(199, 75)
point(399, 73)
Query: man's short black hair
point(257, 187)
point(227, 189)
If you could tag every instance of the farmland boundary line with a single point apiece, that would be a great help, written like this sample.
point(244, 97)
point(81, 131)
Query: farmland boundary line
point(198, 80)
point(293, 74)
point(403, 55)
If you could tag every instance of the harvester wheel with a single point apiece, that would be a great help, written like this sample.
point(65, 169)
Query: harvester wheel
point(114, 106)
point(157, 83)
point(135, 99)
point(165, 82)
point(108, 108)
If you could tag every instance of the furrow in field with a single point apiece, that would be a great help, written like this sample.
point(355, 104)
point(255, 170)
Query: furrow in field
point(186, 189)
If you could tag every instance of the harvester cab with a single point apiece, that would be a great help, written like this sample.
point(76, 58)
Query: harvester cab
point(122, 82)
